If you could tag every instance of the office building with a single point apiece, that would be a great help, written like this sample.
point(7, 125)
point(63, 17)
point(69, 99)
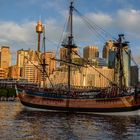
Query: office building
point(51, 63)
point(23, 56)
point(14, 72)
point(27, 61)
point(3, 73)
point(107, 47)
point(30, 72)
point(5, 58)
point(85, 77)
point(111, 59)
point(90, 52)
point(63, 54)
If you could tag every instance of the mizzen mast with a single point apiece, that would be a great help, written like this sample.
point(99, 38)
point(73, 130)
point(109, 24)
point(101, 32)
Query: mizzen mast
point(121, 45)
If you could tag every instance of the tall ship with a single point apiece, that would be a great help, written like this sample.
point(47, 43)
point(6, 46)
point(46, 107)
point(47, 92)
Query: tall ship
point(115, 98)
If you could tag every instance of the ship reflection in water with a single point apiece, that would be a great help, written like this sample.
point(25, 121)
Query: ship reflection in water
point(17, 122)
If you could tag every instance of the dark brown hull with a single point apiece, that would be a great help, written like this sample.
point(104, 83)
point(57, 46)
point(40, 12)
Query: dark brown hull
point(118, 104)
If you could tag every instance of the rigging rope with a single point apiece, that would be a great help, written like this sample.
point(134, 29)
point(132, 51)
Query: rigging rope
point(95, 27)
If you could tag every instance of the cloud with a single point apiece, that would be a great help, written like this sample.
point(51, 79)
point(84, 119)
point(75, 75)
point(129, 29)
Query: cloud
point(87, 29)
point(101, 19)
point(12, 32)
point(23, 35)
point(129, 20)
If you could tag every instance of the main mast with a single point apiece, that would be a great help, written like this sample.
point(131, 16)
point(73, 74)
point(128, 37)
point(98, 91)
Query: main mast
point(44, 59)
point(69, 44)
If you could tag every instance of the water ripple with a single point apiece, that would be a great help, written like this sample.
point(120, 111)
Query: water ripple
point(17, 123)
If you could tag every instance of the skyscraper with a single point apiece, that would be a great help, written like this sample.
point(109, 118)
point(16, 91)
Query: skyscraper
point(27, 62)
point(90, 52)
point(63, 54)
point(23, 56)
point(30, 72)
point(3, 73)
point(107, 47)
point(5, 57)
point(14, 72)
point(51, 64)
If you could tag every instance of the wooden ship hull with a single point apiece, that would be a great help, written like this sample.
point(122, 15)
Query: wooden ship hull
point(76, 104)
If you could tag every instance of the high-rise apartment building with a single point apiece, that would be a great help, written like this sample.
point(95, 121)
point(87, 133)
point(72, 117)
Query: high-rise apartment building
point(51, 64)
point(30, 72)
point(30, 61)
point(14, 72)
point(5, 57)
point(3, 73)
point(27, 60)
point(63, 54)
point(23, 56)
point(90, 52)
point(109, 46)
point(86, 76)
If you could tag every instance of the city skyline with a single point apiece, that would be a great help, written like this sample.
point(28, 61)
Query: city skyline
point(18, 21)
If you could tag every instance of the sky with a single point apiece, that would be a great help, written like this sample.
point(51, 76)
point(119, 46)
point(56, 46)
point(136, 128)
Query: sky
point(18, 20)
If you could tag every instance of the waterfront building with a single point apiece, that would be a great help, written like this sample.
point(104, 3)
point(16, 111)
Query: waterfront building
point(90, 52)
point(111, 59)
point(101, 62)
point(98, 62)
point(14, 72)
point(51, 64)
point(24, 57)
point(107, 47)
point(30, 72)
point(27, 61)
point(84, 77)
point(3, 73)
point(94, 78)
point(5, 57)
point(63, 54)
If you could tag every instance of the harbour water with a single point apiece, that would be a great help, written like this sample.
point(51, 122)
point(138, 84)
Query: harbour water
point(17, 123)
